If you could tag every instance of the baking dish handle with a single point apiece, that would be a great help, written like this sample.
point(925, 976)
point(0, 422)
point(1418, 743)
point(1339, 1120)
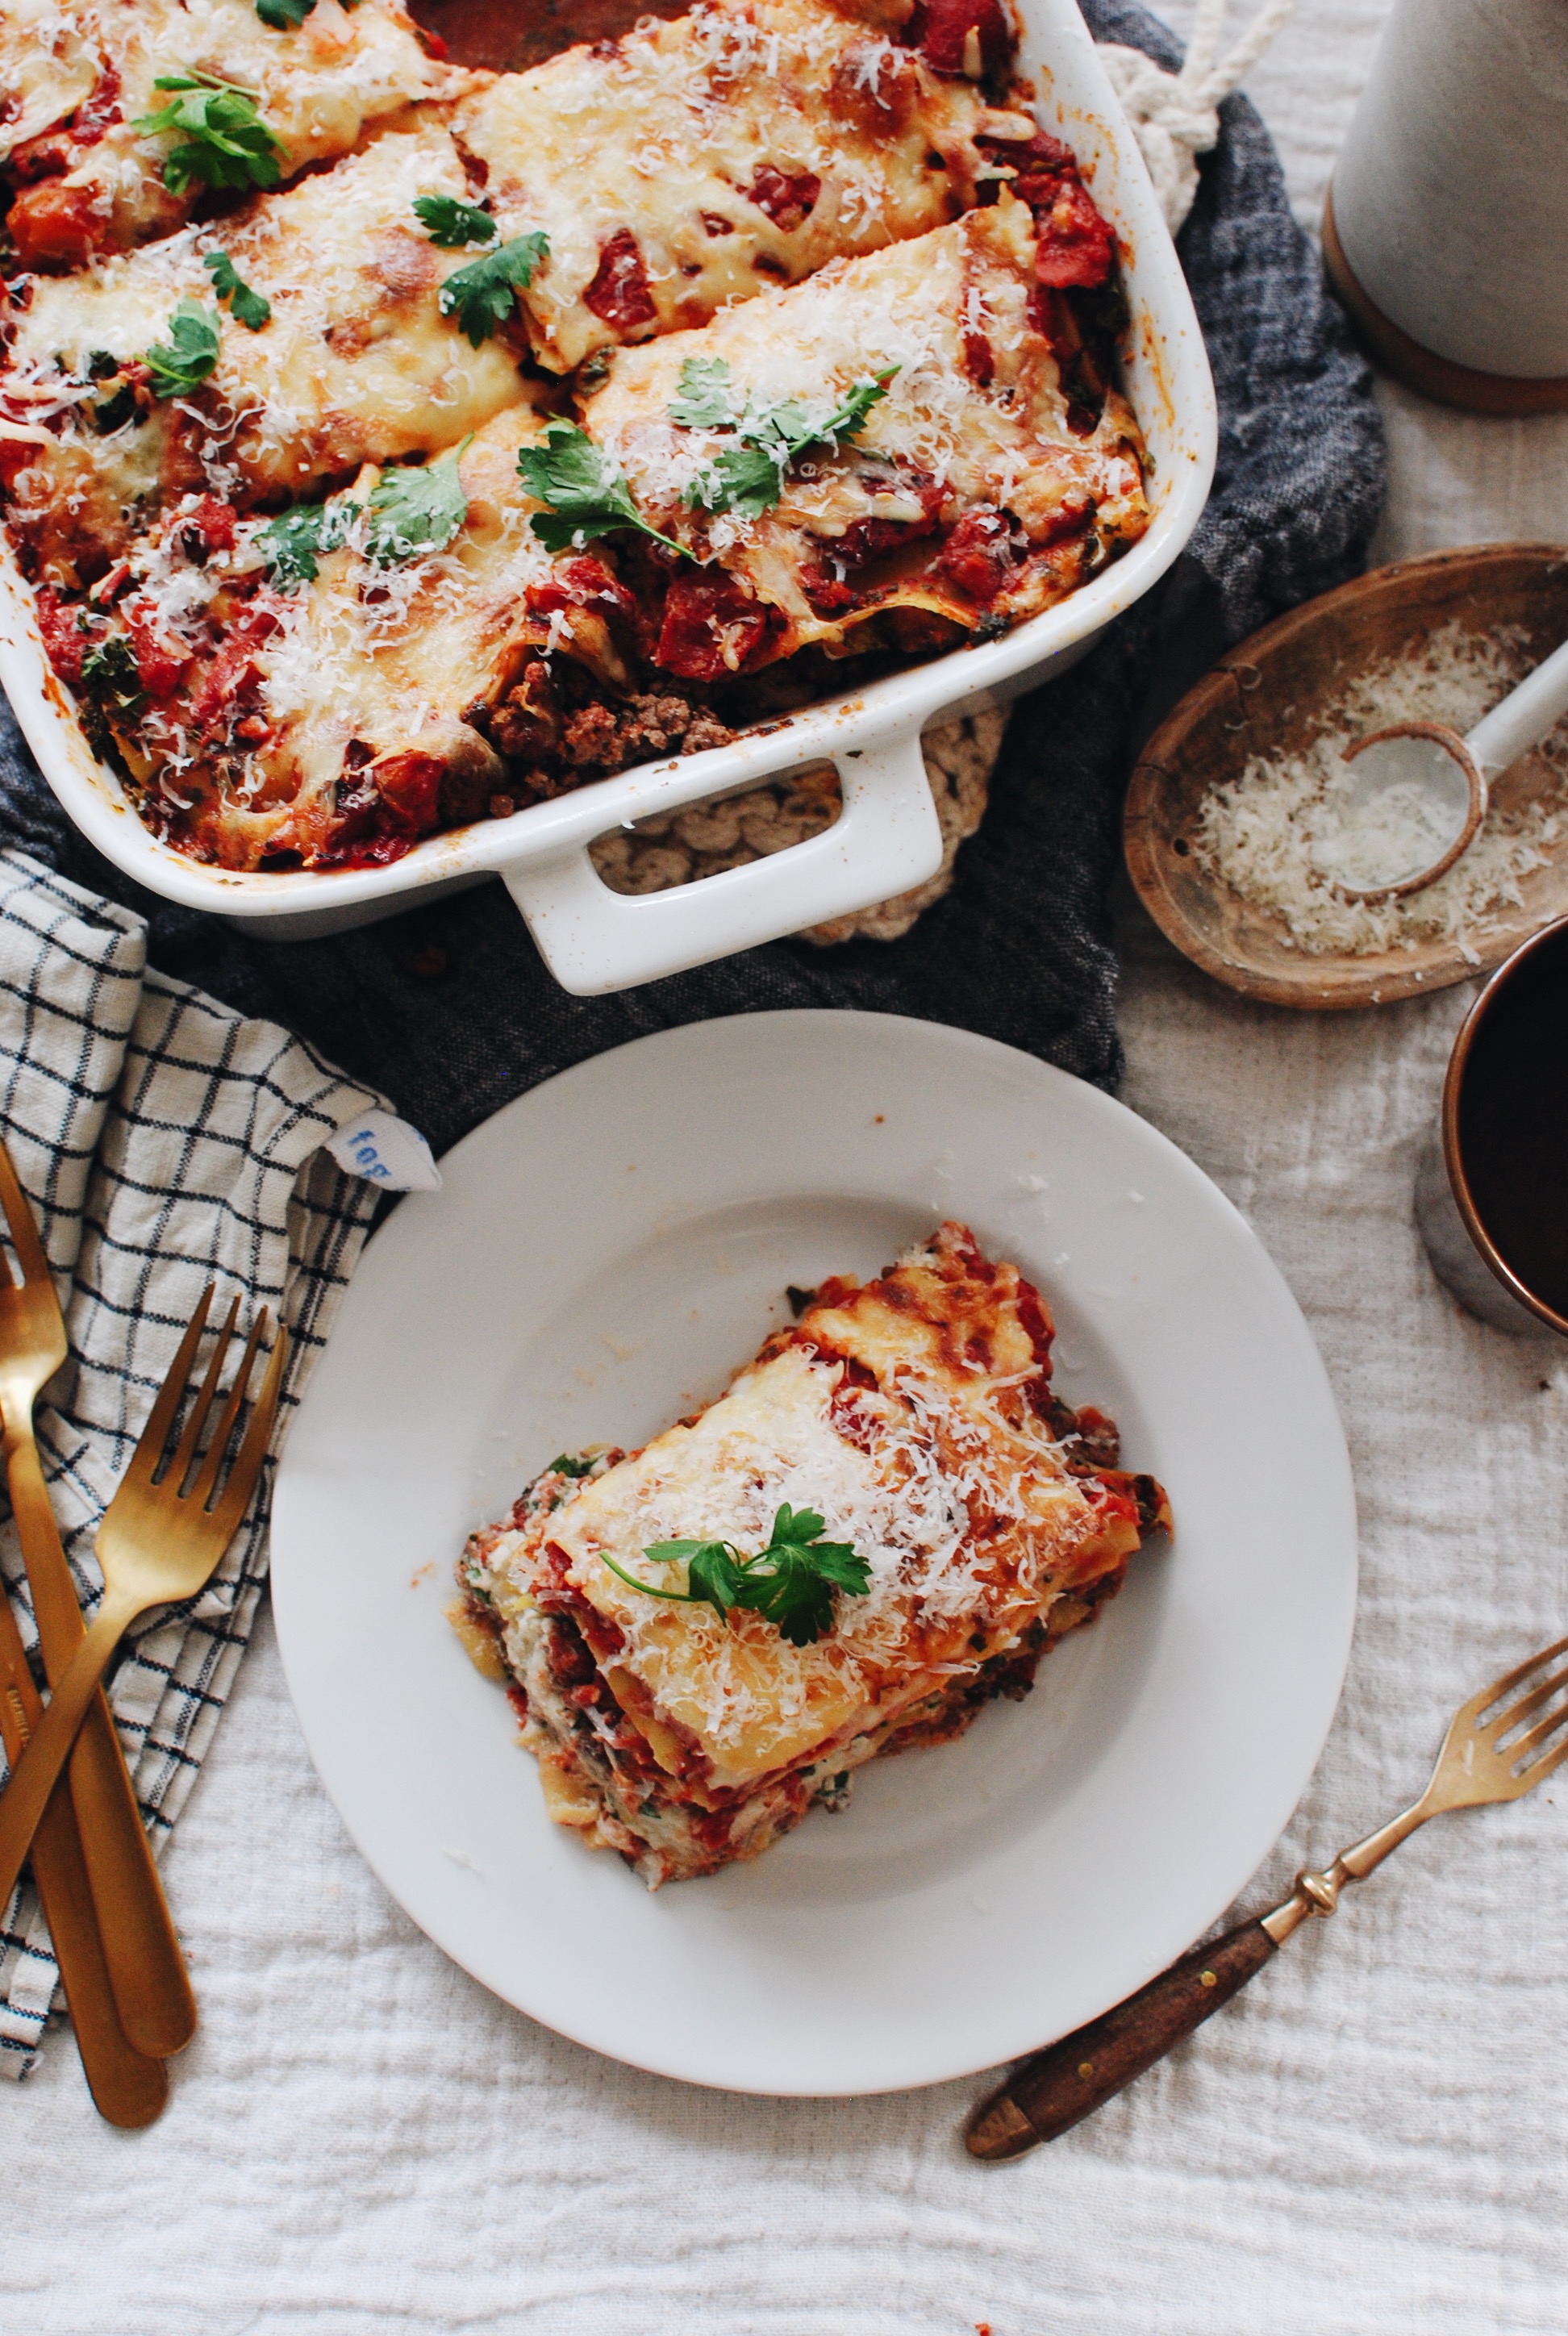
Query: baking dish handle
point(886, 840)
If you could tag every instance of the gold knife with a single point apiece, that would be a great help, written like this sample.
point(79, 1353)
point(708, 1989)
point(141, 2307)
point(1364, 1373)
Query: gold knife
point(146, 1968)
point(129, 2087)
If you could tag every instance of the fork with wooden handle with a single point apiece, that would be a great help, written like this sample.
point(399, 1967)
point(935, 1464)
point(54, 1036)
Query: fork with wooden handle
point(159, 1540)
point(129, 2086)
point(1488, 1755)
point(140, 1950)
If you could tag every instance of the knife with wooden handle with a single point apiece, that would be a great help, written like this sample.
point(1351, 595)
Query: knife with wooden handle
point(1488, 1755)
point(1049, 2094)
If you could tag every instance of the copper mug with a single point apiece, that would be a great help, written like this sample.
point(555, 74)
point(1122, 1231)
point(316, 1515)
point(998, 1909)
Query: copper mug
point(1492, 1187)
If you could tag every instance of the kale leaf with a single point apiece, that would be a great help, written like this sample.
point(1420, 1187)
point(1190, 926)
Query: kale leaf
point(109, 672)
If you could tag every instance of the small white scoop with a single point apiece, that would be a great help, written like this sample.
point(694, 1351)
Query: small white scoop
point(1418, 792)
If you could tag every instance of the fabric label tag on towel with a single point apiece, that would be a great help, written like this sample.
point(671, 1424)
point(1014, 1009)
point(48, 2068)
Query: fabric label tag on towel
point(385, 1150)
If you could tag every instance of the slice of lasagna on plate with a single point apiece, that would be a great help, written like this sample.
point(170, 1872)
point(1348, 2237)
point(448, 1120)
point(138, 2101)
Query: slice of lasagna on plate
point(885, 1522)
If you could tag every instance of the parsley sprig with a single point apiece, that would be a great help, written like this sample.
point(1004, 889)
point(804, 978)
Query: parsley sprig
point(790, 1583)
point(284, 15)
point(586, 494)
point(482, 294)
point(249, 308)
point(293, 542)
point(415, 508)
point(452, 225)
point(183, 362)
point(227, 143)
point(748, 477)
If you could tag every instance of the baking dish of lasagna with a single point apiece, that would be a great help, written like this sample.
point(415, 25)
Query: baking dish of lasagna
point(883, 1524)
point(412, 473)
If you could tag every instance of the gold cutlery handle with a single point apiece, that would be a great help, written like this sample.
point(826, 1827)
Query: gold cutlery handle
point(1049, 2094)
point(34, 1775)
point(129, 2086)
point(146, 1968)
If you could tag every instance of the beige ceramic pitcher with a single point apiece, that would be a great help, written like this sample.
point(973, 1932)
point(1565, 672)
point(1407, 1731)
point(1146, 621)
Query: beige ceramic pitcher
point(1446, 230)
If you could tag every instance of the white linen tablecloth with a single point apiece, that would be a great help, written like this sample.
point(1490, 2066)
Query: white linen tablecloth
point(1370, 2141)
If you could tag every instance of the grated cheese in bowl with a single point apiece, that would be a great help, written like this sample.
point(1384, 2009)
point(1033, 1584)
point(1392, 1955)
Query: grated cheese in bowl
point(1272, 834)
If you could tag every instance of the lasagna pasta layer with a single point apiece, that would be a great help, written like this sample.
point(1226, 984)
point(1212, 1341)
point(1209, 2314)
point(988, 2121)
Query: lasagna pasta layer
point(914, 1413)
point(89, 183)
point(976, 491)
point(333, 722)
point(49, 65)
point(357, 363)
point(696, 162)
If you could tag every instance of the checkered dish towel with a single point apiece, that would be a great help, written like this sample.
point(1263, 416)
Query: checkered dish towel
point(164, 1142)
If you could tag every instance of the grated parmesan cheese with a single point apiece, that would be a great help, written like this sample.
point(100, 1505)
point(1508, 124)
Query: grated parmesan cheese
point(1272, 834)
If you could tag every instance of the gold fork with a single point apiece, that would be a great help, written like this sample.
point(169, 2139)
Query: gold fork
point(1483, 1758)
point(158, 1543)
point(146, 1971)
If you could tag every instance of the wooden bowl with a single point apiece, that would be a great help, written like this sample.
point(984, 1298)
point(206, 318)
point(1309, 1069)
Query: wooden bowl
point(1267, 697)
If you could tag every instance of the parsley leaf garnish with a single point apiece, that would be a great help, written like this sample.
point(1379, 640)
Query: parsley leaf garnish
point(586, 493)
point(706, 398)
point(451, 225)
point(747, 478)
point(227, 143)
point(415, 509)
point(284, 15)
point(412, 509)
point(790, 1583)
point(292, 543)
point(481, 295)
point(184, 361)
point(566, 1465)
point(251, 309)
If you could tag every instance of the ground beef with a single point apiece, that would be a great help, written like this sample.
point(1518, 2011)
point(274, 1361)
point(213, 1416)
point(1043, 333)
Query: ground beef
point(526, 725)
point(565, 744)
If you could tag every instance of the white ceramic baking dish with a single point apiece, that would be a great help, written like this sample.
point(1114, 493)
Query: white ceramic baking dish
point(887, 838)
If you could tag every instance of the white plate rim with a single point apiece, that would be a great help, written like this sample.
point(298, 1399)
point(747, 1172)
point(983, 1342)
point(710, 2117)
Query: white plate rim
point(922, 2062)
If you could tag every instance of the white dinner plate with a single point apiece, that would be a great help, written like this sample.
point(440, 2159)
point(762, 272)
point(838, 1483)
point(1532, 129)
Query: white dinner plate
point(604, 1253)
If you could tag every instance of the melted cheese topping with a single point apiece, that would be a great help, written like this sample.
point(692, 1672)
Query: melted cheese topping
point(942, 1475)
point(909, 310)
point(48, 65)
point(665, 132)
point(356, 364)
point(393, 658)
point(318, 87)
